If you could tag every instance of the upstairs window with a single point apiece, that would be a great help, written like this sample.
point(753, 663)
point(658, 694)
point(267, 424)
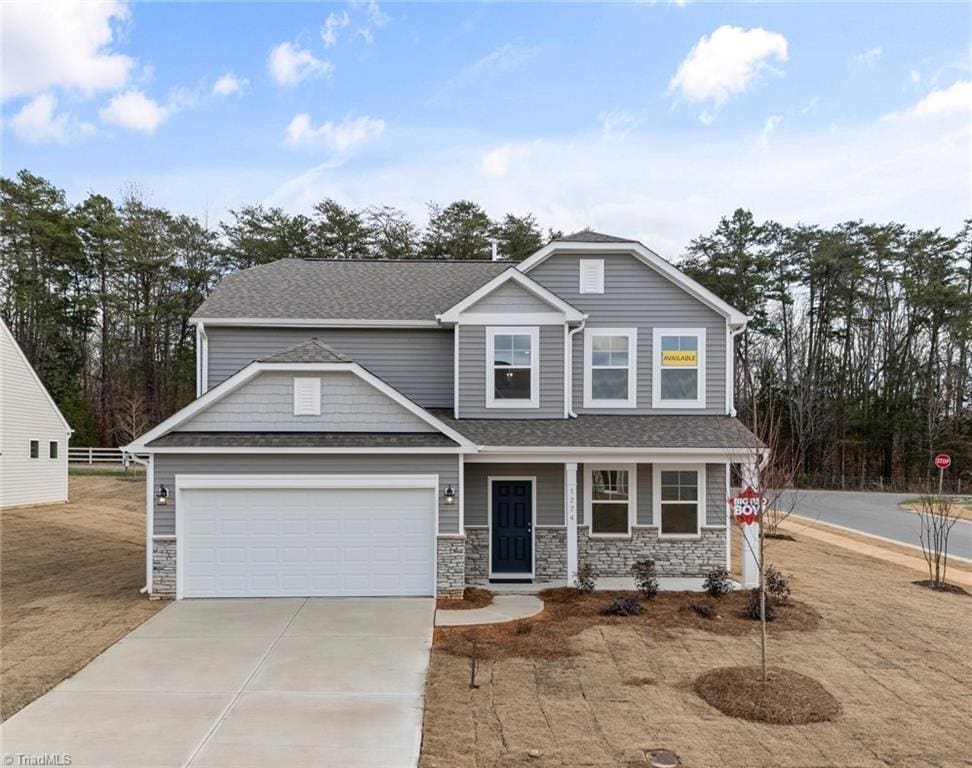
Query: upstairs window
point(35, 449)
point(591, 276)
point(678, 368)
point(679, 500)
point(610, 372)
point(511, 368)
point(307, 396)
point(52, 449)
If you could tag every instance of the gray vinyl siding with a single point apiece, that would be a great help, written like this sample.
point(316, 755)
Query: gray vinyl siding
point(266, 403)
point(167, 466)
point(715, 495)
point(550, 490)
point(636, 296)
point(417, 362)
point(472, 376)
point(510, 297)
point(643, 495)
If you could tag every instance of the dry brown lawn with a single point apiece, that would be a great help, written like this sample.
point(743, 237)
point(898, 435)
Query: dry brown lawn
point(896, 657)
point(70, 576)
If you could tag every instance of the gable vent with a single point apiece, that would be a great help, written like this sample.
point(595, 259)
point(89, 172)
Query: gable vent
point(307, 396)
point(591, 276)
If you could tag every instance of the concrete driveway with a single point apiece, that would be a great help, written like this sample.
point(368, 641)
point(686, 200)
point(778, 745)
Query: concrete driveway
point(241, 682)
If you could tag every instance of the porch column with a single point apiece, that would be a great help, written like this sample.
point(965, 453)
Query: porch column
point(750, 532)
point(570, 518)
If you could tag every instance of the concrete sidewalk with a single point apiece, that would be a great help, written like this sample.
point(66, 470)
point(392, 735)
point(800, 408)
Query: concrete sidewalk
point(247, 683)
point(503, 608)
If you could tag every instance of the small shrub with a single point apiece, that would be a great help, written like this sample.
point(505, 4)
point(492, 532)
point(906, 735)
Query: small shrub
point(703, 610)
point(521, 627)
point(717, 582)
point(777, 585)
point(752, 606)
point(624, 606)
point(586, 579)
point(645, 578)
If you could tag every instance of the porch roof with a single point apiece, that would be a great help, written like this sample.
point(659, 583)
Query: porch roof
point(588, 431)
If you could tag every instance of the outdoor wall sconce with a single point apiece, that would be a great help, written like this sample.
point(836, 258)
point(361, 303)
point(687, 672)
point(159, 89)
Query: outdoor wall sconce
point(162, 496)
point(450, 494)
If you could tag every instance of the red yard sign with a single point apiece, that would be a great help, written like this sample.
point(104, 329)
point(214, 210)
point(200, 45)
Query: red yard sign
point(746, 507)
point(943, 461)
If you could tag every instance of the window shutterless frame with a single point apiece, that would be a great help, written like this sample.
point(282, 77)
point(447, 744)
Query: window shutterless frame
point(658, 365)
point(533, 334)
point(52, 449)
point(595, 359)
point(34, 449)
point(699, 502)
point(589, 470)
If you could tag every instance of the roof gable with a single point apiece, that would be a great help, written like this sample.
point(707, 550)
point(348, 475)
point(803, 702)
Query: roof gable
point(523, 287)
point(14, 362)
point(311, 351)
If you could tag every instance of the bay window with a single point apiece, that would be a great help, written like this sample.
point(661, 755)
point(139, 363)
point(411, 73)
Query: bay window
point(610, 367)
point(678, 368)
point(679, 499)
point(511, 368)
point(609, 498)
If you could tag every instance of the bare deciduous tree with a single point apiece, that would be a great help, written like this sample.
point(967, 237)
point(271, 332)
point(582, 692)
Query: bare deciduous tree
point(937, 516)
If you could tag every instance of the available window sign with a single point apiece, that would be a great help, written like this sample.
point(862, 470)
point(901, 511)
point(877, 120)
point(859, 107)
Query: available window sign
point(680, 357)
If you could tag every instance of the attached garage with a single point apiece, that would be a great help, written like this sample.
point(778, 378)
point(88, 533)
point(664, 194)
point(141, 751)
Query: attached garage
point(306, 535)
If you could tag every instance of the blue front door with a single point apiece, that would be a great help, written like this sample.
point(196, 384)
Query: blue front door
point(512, 523)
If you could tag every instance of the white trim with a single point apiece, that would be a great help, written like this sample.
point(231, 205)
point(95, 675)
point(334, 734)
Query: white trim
point(650, 258)
point(534, 334)
point(149, 523)
point(314, 322)
point(461, 493)
point(656, 339)
point(455, 373)
point(727, 525)
point(560, 454)
point(632, 470)
point(570, 519)
point(511, 318)
point(565, 310)
point(631, 334)
point(598, 266)
point(314, 407)
point(533, 526)
point(37, 380)
point(701, 502)
point(298, 450)
point(202, 359)
point(567, 372)
point(216, 482)
point(237, 380)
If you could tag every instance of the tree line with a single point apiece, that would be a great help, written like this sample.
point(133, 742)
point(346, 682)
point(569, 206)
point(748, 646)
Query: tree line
point(860, 338)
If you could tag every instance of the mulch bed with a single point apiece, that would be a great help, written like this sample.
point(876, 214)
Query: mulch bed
point(568, 612)
point(954, 589)
point(787, 698)
point(472, 597)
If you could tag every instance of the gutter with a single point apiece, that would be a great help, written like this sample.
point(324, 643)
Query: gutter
point(569, 369)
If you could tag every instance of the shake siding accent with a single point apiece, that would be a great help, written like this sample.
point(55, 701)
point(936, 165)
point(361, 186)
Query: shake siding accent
point(550, 490)
point(511, 297)
point(472, 376)
point(416, 362)
point(635, 296)
point(266, 403)
point(715, 494)
point(167, 466)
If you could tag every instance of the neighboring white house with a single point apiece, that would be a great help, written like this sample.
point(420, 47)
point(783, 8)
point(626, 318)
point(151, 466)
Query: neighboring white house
point(33, 433)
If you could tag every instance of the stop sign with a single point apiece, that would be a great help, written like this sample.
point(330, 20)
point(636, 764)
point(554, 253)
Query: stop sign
point(943, 461)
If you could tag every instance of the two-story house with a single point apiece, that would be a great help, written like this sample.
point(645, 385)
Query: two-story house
point(408, 427)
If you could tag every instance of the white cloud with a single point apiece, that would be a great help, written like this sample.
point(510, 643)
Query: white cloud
point(499, 161)
point(135, 111)
point(810, 107)
point(38, 122)
point(332, 26)
point(504, 58)
point(771, 124)
point(616, 123)
point(943, 102)
point(229, 84)
point(288, 65)
point(869, 57)
point(339, 138)
point(67, 45)
point(374, 17)
point(726, 63)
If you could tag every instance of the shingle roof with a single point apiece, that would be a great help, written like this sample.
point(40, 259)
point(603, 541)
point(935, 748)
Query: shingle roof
point(590, 236)
point(312, 351)
point(348, 290)
point(303, 440)
point(587, 431)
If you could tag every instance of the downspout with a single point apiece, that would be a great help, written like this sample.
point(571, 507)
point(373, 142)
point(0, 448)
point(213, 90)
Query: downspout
point(569, 373)
point(202, 348)
point(731, 369)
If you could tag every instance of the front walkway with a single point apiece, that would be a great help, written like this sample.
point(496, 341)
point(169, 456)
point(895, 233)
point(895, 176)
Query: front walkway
point(503, 608)
point(246, 683)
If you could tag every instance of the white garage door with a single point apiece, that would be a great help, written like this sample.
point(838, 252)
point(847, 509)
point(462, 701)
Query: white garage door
point(237, 542)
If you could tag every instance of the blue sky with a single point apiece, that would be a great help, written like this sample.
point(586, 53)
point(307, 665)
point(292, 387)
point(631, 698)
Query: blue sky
point(646, 119)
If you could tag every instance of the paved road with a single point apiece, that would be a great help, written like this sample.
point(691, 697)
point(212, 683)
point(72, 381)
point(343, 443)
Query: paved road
point(877, 514)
